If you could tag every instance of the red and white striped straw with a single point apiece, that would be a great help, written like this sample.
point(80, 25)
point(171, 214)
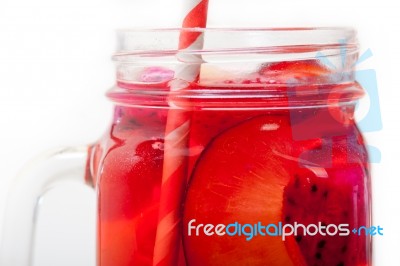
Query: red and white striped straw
point(167, 243)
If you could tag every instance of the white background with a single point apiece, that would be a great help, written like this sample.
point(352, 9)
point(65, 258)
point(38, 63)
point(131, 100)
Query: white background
point(55, 67)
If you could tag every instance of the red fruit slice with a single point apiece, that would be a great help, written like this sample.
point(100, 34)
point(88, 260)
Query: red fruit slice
point(287, 71)
point(129, 192)
point(241, 178)
point(338, 195)
point(131, 177)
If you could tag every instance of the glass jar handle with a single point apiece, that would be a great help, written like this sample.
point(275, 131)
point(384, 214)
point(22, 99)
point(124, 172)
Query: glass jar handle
point(40, 175)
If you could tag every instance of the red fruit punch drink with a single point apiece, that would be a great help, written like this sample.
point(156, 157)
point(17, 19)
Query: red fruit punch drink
point(275, 168)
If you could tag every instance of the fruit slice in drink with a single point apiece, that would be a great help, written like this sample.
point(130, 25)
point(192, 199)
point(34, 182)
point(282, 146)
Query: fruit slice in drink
point(129, 190)
point(241, 177)
point(339, 196)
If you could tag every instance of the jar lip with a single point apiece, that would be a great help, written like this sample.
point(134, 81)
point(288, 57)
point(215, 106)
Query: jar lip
point(309, 60)
point(153, 42)
point(344, 29)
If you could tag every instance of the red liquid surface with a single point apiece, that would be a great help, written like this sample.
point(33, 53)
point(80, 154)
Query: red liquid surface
point(246, 166)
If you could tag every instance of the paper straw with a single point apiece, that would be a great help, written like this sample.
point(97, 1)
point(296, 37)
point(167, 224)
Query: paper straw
point(168, 237)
